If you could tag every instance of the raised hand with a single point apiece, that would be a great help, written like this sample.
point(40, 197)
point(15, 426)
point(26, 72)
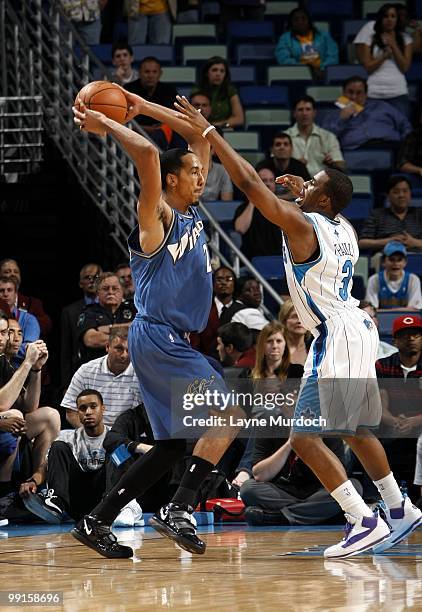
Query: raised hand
point(191, 114)
point(135, 103)
point(293, 183)
point(89, 120)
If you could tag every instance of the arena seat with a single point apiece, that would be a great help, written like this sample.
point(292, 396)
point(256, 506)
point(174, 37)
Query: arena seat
point(371, 159)
point(199, 54)
point(338, 73)
point(243, 141)
point(270, 266)
point(262, 95)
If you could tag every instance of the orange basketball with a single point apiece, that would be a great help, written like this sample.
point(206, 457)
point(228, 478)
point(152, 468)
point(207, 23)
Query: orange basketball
point(104, 97)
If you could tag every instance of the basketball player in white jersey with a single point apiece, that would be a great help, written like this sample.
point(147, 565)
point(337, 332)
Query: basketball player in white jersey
point(320, 250)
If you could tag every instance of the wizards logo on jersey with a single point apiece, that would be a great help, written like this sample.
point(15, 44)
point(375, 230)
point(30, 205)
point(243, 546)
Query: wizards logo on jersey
point(186, 242)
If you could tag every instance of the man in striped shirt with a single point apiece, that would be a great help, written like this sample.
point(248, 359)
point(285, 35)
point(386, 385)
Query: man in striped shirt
point(112, 375)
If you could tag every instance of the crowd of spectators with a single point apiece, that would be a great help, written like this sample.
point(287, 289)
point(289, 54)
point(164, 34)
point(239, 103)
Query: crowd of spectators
point(57, 462)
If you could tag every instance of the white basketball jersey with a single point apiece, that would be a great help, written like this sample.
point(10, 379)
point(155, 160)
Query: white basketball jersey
point(320, 289)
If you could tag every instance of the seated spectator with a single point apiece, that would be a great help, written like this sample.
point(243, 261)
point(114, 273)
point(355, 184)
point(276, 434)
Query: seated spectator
point(26, 322)
point(259, 235)
point(4, 331)
point(226, 107)
point(386, 54)
point(235, 345)
point(149, 21)
point(246, 308)
point(224, 285)
point(312, 145)
point(20, 391)
point(402, 416)
point(303, 43)
point(133, 431)
point(218, 185)
point(399, 222)
point(410, 153)
point(281, 161)
point(122, 58)
point(201, 101)
point(273, 355)
point(76, 466)
point(296, 336)
point(96, 321)
point(393, 287)
point(85, 18)
point(70, 347)
point(284, 491)
point(112, 375)
point(149, 86)
point(10, 268)
point(364, 121)
point(124, 274)
point(384, 348)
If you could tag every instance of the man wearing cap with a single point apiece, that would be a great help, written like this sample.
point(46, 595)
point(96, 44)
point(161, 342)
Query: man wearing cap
point(402, 398)
point(399, 221)
point(393, 287)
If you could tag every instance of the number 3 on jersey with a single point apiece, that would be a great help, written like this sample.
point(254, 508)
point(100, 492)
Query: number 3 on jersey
point(347, 269)
point(207, 258)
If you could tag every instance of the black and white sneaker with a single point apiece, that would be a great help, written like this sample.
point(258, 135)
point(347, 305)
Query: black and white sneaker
point(97, 535)
point(177, 523)
point(48, 507)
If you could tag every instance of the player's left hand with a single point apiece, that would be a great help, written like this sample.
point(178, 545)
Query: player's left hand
point(89, 120)
point(191, 114)
point(135, 103)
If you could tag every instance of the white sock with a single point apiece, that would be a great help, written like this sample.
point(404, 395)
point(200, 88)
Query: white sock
point(350, 501)
point(389, 491)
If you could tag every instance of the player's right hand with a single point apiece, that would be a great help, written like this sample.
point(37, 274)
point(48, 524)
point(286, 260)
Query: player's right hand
point(293, 183)
point(89, 120)
point(135, 103)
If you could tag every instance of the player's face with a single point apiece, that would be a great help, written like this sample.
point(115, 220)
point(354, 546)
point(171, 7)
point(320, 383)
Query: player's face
point(8, 293)
point(311, 193)
point(356, 92)
point(4, 335)
point(118, 355)
point(281, 149)
point(268, 178)
point(293, 325)
point(251, 294)
point(87, 279)
point(216, 74)
point(203, 104)
point(395, 264)
point(149, 74)
point(190, 181)
point(122, 58)
point(274, 347)
point(90, 411)
point(400, 196)
point(11, 268)
point(15, 337)
point(110, 292)
point(409, 341)
point(304, 114)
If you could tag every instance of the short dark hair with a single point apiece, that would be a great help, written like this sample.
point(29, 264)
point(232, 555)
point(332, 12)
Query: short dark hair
point(395, 180)
point(101, 277)
point(118, 331)
point(9, 279)
point(236, 334)
point(355, 79)
point(200, 93)
point(4, 316)
point(281, 134)
point(339, 188)
point(171, 162)
point(309, 99)
point(149, 58)
point(122, 265)
point(90, 392)
point(121, 45)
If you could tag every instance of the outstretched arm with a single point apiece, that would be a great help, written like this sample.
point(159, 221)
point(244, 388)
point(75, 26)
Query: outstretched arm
point(199, 145)
point(286, 215)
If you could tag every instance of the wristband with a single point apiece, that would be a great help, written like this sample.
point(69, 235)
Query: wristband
point(208, 130)
point(32, 370)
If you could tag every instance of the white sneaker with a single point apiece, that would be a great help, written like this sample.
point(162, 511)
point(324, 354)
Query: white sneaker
point(402, 522)
point(130, 516)
point(3, 521)
point(361, 533)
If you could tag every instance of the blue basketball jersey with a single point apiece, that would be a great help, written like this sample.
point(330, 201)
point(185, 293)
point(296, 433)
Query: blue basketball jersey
point(173, 285)
point(393, 299)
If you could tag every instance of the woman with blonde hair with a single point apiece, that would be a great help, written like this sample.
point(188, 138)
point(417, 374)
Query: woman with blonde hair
point(297, 338)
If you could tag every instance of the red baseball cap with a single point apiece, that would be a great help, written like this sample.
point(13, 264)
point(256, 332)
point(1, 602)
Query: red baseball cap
point(407, 322)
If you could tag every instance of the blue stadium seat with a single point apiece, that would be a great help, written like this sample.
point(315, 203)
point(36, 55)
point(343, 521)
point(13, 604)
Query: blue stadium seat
point(349, 29)
point(270, 266)
point(371, 159)
point(249, 31)
point(103, 52)
point(385, 320)
point(341, 72)
point(414, 263)
point(262, 95)
point(221, 211)
point(359, 208)
point(210, 11)
point(320, 7)
point(241, 75)
point(414, 73)
point(245, 54)
point(164, 53)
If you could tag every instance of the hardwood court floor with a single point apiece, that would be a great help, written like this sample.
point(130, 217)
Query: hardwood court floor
point(243, 569)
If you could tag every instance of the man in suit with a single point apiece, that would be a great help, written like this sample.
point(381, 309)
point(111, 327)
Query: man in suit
point(69, 322)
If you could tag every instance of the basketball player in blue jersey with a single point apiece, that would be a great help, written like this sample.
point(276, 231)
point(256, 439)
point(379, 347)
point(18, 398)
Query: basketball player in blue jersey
point(320, 250)
point(173, 280)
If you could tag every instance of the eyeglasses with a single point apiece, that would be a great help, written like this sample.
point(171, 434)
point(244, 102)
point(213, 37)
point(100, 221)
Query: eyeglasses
point(90, 277)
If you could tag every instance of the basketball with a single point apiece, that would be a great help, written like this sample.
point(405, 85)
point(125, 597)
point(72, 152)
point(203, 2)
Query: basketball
point(104, 97)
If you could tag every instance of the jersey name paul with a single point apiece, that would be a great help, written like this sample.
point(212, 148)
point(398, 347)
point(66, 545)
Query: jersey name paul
point(343, 248)
point(186, 242)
